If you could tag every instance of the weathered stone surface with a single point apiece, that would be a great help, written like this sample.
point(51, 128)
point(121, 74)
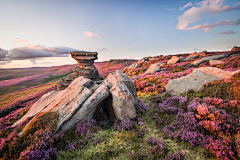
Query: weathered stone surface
point(181, 58)
point(143, 60)
point(217, 72)
point(119, 76)
point(195, 55)
point(235, 48)
point(215, 62)
point(154, 68)
point(205, 59)
point(85, 68)
point(70, 99)
point(193, 81)
point(190, 57)
point(123, 102)
point(133, 66)
point(87, 109)
point(173, 60)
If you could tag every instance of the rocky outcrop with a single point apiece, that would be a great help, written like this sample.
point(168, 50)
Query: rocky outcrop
point(206, 59)
point(235, 48)
point(86, 69)
point(197, 79)
point(190, 57)
point(83, 98)
point(195, 55)
point(123, 102)
point(119, 76)
point(215, 62)
point(218, 72)
point(154, 68)
point(143, 60)
point(133, 66)
point(173, 60)
point(193, 81)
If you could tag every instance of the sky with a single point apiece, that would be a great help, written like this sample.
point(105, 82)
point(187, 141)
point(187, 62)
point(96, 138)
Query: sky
point(42, 33)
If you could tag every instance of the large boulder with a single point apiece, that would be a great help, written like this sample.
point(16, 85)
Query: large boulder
point(190, 57)
point(83, 99)
point(119, 76)
point(218, 72)
point(193, 81)
point(123, 102)
point(215, 62)
point(154, 68)
point(173, 60)
point(195, 55)
point(87, 109)
point(206, 59)
point(133, 66)
point(78, 91)
point(197, 79)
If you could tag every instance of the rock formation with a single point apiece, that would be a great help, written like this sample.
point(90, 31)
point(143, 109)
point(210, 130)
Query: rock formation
point(154, 68)
point(173, 60)
point(197, 79)
point(83, 98)
point(235, 48)
point(215, 62)
point(195, 55)
point(206, 59)
point(85, 69)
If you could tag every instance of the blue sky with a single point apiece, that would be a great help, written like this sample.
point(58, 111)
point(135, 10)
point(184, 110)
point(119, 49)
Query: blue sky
point(42, 33)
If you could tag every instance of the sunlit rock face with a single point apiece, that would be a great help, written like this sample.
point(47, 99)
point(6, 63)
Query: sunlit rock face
point(83, 99)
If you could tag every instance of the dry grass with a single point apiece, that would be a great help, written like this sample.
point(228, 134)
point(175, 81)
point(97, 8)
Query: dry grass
point(18, 95)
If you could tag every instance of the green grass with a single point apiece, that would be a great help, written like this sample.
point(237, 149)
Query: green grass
point(54, 77)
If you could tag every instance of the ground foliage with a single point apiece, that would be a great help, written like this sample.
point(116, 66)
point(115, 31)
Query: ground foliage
point(200, 124)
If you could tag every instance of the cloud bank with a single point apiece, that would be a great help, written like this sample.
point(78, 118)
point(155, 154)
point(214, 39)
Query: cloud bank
point(204, 8)
point(228, 32)
point(206, 26)
point(33, 51)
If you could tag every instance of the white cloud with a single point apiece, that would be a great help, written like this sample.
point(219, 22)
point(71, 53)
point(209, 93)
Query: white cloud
point(102, 49)
point(170, 9)
point(205, 7)
point(90, 34)
point(189, 4)
point(206, 26)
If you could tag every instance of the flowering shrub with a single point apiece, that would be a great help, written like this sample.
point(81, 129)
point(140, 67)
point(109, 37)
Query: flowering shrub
point(141, 108)
point(126, 124)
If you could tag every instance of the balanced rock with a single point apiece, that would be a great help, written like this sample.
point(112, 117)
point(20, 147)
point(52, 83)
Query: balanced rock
point(173, 60)
point(86, 69)
point(215, 62)
point(154, 68)
point(206, 59)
